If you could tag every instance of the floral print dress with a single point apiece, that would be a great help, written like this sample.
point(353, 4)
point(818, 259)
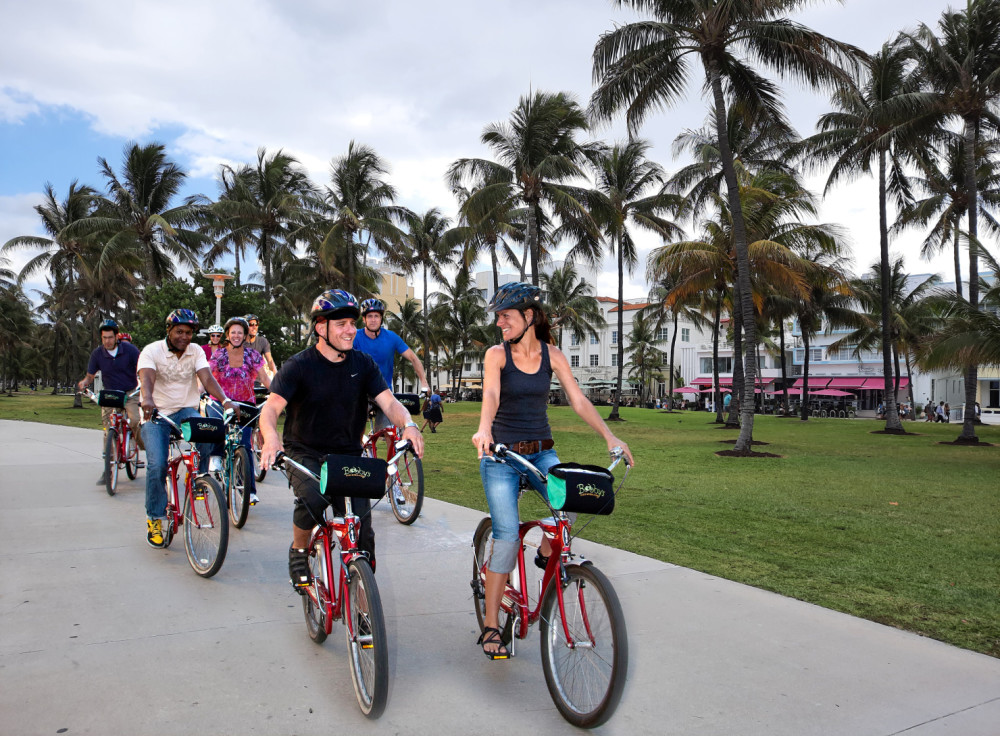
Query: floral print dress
point(236, 382)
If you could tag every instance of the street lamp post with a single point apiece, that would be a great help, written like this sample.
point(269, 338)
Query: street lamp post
point(219, 284)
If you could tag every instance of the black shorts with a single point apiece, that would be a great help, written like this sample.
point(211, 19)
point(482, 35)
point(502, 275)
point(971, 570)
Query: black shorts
point(310, 503)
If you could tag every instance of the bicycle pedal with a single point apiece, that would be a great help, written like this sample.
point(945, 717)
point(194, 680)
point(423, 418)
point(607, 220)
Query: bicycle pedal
point(199, 496)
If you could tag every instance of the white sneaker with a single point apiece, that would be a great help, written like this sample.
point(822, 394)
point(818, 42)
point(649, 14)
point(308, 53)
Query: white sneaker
point(253, 499)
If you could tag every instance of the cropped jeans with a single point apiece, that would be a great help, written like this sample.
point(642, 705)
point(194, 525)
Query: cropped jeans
point(501, 483)
point(156, 437)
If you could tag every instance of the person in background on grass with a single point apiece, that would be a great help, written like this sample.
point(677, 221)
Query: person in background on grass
point(432, 413)
point(258, 342)
point(117, 362)
point(929, 411)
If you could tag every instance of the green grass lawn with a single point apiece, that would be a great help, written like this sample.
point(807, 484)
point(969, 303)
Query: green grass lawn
point(900, 530)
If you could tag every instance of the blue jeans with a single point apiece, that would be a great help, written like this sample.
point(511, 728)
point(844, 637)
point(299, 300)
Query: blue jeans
point(156, 437)
point(501, 482)
point(213, 410)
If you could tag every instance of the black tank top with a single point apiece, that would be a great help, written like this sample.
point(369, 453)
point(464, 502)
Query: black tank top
point(522, 414)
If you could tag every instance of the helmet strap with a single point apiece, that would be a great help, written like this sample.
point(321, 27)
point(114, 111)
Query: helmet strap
point(516, 340)
point(170, 345)
point(326, 339)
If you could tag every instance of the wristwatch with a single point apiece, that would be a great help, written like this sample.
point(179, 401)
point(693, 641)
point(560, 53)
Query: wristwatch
point(411, 424)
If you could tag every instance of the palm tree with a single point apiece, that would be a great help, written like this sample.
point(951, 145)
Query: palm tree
point(629, 193)
point(643, 66)
point(460, 311)
point(137, 217)
point(432, 246)
point(490, 223)
point(940, 178)
point(873, 125)
point(536, 153)
point(359, 204)
point(664, 307)
point(962, 68)
point(264, 205)
point(645, 356)
point(571, 303)
point(408, 323)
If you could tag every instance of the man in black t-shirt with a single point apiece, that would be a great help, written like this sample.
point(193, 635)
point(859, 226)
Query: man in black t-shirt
point(325, 390)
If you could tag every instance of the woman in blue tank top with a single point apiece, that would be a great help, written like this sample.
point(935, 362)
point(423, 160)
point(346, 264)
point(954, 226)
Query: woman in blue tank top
point(516, 379)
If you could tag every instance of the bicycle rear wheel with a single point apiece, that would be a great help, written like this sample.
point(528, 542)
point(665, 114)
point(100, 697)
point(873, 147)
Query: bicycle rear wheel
point(480, 545)
point(206, 526)
point(237, 492)
point(111, 461)
point(406, 488)
point(368, 647)
point(316, 602)
point(585, 679)
point(131, 455)
point(257, 442)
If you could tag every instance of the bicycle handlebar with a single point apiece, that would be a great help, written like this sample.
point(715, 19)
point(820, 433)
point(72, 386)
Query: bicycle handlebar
point(281, 458)
point(93, 397)
point(501, 450)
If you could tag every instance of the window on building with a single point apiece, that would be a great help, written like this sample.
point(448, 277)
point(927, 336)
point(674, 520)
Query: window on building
point(614, 360)
point(844, 353)
point(574, 361)
point(994, 393)
point(661, 334)
point(614, 337)
point(593, 361)
point(725, 365)
point(685, 334)
point(815, 355)
point(574, 340)
point(467, 367)
point(593, 338)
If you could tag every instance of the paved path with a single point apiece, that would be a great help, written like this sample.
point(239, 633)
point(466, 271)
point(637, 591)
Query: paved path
point(100, 634)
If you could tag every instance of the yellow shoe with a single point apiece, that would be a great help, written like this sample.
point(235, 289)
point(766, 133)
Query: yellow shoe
point(154, 535)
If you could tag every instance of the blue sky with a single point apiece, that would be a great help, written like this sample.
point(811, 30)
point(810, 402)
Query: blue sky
point(416, 81)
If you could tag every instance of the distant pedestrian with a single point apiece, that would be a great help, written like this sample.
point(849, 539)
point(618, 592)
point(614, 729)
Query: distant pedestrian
point(939, 413)
point(929, 411)
point(947, 413)
point(432, 412)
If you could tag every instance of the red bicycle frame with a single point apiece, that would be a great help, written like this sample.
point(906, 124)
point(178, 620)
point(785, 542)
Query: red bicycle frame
point(335, 602)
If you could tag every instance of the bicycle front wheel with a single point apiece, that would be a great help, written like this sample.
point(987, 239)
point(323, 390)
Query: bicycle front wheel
point(237, 490)
point(111, 461)
point(586, 671)
point(366, 639)
point(406, 488)
point(131, 455)
point(257, 442)
point(206, 526)
point(316, 601)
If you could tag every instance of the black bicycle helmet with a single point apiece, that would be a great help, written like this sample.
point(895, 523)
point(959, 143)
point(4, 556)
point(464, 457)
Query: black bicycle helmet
point(109, 324)
point(236, 321)
point(372, 305)
point(251, 318)
point(516, 295)
point(335, 304)
point(183, 317)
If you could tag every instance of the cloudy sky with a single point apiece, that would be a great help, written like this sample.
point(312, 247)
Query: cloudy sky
point(417, 81)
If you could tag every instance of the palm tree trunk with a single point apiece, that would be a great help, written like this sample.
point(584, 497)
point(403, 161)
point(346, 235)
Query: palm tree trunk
point(532, 242)
point(716, 393)
point(673, 343)
point(784, 372)
point(958, 260)
point(892, 423)
point(614, 416)
point(804, 406)
point(427, 328)
point(972, 371)
point(737, 392)
point(745, 441)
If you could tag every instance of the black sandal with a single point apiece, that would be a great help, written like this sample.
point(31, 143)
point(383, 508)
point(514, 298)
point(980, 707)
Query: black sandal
point(541, 561)
point(492, 636)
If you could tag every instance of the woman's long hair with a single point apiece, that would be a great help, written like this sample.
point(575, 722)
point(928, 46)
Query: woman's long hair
point(543, 331)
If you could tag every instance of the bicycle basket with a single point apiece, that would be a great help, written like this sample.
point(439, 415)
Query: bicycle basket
point(410, 401)
point(111, 399)
point(203, 429)
point(581, 489)
point(358, 477)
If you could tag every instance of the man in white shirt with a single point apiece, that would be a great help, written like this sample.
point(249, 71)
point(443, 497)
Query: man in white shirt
point(169, 373)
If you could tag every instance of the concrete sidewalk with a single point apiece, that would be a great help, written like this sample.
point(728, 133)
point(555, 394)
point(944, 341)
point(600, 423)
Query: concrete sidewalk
point(102, 634)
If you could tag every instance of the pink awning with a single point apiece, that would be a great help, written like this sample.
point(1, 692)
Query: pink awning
point(846, 383)
point(878, 383)
point(815, 382)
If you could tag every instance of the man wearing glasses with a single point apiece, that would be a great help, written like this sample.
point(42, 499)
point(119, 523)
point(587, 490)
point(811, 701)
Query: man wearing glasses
point(259, 343)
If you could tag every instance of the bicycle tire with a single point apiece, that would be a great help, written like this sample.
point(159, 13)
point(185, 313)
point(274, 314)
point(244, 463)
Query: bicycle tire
point(111, 461)
point(257, 442)
point(842, 414)
point(316, 611)
point(205, 542)
point(405, 488)
point(480, 540)
point(851, 414)
point(237, 495)
point(369, 649)
point(585, 682)
point(131, 455)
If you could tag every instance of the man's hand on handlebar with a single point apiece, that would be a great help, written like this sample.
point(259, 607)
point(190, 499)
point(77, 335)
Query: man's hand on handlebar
point(270, 451)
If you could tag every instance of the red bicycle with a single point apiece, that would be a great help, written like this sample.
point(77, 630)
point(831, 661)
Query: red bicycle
point(203, 511)
point(348, 592)
point(120, 448)
point(583, 636)
point(405, 487)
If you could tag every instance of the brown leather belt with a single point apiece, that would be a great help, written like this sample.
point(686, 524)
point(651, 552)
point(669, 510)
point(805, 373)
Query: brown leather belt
point(530, 447)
